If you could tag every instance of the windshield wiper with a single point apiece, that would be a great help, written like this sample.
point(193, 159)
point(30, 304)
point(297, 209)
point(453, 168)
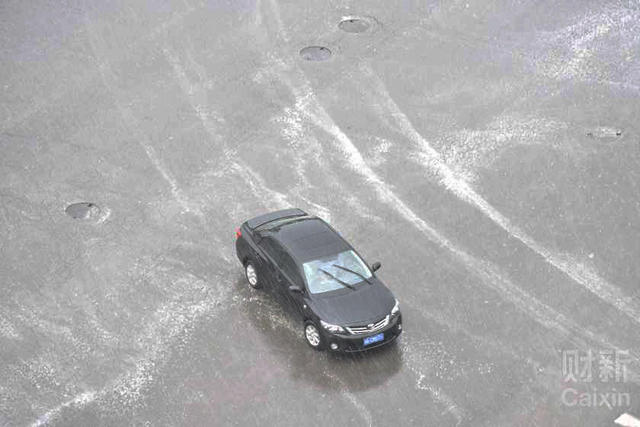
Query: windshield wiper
point(354, 272)
point(337, 280)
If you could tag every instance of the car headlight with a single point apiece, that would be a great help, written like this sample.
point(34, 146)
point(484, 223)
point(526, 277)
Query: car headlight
point(396, 309)
point(332, 328)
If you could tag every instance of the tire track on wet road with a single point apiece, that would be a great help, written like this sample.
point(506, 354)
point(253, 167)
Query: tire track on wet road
point(433, 162)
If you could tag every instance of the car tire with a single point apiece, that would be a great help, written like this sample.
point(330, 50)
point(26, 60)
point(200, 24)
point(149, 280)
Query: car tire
point(312, 336)
point(251, 273)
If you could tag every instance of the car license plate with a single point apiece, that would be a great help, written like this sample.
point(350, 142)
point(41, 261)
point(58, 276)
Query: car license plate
point(375, 338)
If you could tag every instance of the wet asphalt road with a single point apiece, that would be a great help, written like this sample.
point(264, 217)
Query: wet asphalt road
point(486, 152)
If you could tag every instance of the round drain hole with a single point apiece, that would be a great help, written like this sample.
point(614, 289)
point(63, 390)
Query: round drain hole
point(83, 210)
point(315, 53)
point(352, 24)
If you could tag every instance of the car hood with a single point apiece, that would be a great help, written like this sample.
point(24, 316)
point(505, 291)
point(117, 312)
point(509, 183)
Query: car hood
point(366, 304)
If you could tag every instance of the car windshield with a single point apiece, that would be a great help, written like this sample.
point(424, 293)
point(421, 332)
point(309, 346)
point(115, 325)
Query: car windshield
point(319, 272)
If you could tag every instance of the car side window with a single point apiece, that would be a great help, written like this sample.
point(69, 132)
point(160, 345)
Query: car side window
point(282, 258)
point(289, 267)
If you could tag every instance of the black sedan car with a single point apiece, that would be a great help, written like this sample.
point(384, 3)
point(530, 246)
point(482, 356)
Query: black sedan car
point(319, 278)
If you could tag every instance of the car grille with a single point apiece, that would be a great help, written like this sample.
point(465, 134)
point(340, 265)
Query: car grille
point(371, 327)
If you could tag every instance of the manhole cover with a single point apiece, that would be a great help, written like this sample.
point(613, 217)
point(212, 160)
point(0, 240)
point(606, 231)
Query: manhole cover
point(83, 210)
point(604, 133)
point(315, 53)
point(351, 24)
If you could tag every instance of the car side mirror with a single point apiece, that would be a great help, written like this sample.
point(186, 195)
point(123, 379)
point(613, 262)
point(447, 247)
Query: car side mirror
point(295, 289)
point(376, 266)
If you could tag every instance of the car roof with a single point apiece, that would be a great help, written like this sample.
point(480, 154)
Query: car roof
point(309, 239)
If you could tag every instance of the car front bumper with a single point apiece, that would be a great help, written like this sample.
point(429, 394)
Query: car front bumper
point(354, 343)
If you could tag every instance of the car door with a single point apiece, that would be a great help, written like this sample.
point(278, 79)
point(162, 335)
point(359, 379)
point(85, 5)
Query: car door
point(269, 268)
point(293, 302)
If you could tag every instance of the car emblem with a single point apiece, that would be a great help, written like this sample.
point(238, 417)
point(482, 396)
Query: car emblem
point(370, 325)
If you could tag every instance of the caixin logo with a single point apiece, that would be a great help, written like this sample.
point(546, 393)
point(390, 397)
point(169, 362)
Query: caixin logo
point(605, 368)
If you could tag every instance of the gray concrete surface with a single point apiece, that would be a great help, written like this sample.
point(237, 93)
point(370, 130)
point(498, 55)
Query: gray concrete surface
point(486, 152)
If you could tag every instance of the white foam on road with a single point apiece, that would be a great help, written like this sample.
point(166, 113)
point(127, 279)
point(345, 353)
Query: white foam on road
point(275, 8)
point(305, 149)
point(352, 398)
point(271, 198)
point(277, 318)
point(433, 162)
point(7, 329)
point(467, 150)
point(572, 51)
point(196, 94)
point(440, 397)
point(108, 79)
point(414, 361)
point(45, 100)
point(80, 400)
point(173, 184)
point(170, 323)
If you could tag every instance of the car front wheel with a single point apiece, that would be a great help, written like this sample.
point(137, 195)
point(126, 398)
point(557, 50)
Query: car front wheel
point(313, 336)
